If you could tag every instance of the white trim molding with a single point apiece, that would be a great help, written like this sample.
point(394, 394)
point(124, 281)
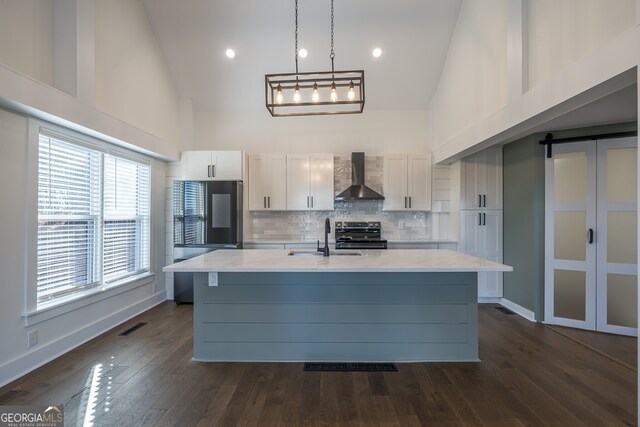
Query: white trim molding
point(518, 309)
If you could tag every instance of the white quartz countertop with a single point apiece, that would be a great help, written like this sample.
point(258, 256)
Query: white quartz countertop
point(391, 260)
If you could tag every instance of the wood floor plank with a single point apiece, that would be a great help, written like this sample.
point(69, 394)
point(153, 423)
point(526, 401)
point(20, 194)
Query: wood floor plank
point(529, 376)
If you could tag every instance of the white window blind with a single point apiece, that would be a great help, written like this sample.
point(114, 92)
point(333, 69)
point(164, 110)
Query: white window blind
point(69, 207)
point(93, 218)
point(126, 218)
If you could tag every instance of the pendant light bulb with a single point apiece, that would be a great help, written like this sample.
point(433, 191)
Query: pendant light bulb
point(334, 93)
point(279, 97)
point(352, 92)
point(315, 97)
point(296, 94)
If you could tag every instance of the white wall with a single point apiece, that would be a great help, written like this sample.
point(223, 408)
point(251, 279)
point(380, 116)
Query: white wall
point(123, 91)
point(374, 132)
point(65, 331)
point(582, 68)
point(473, 83)
point(133, 82)
point(26, 37)
point(562, 31)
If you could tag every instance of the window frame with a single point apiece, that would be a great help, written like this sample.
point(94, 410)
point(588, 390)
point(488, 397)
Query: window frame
point(33, 313)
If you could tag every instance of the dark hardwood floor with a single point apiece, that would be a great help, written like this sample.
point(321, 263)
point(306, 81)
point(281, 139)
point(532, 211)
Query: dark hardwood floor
point(529, 375)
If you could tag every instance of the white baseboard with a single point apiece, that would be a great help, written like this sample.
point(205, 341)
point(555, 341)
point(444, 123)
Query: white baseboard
point(489, 300)
point(518, 309)
point(28, 362)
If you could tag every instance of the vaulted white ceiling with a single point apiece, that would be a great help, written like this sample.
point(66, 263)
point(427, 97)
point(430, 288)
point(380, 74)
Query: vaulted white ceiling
point(194, 34)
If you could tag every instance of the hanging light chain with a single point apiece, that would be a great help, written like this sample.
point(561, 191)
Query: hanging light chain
point(296, 38)
point(333, 55)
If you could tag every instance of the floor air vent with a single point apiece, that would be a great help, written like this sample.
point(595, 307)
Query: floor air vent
point(351, 367)
point(504, 310)
point(132, 329)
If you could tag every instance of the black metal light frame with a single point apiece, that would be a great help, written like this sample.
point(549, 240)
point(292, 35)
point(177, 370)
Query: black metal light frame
point(306, 82)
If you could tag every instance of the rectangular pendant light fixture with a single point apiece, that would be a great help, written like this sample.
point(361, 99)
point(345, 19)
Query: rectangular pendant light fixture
point(319, 93)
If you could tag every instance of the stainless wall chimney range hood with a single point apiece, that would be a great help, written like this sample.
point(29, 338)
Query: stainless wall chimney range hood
point(357, 190)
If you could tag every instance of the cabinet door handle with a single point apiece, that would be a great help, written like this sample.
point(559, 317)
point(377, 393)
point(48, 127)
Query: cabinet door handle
point(405, 202)
point(264, 201)
point(269, 202)
point(312, 201)
point(590, 236)
point(209, 171)
point(307, 201)
point(484, 219)
point(409, 202)
point(479, 201)
point(484, 200)
point(479, 219)
point(213, 170)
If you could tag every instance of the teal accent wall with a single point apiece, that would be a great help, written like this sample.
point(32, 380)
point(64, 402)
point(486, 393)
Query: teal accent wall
point(524, 223)
point(524, 163)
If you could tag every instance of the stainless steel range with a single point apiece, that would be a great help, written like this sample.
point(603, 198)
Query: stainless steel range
point(359, 235)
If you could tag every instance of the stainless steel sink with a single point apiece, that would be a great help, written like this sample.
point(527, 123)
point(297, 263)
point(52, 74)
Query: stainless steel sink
point(316, 253)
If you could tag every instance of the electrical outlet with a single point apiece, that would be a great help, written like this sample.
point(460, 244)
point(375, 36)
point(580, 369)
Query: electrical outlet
point(32, 337)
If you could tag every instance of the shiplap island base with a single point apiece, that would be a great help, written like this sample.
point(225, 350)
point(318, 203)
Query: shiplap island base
point(393, 305)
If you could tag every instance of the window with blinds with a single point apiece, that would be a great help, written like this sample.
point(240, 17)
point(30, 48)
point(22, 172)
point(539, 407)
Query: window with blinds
point(93, 218)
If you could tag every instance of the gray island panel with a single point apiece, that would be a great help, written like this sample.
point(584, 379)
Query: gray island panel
point(336, 316)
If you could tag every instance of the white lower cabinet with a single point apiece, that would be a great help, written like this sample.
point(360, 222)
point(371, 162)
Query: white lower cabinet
point(481, 236)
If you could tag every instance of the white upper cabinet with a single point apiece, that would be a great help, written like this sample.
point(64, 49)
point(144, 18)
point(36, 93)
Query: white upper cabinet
point(310, 182)
point(267, 182)
point(407, 182)
point(212, 165)
point(481, 179)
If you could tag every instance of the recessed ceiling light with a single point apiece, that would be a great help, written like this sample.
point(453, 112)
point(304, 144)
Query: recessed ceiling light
point(377, 52)
point(230, 53)
point(303, 53)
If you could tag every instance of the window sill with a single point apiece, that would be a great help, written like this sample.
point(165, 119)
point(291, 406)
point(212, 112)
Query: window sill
point(84, 299)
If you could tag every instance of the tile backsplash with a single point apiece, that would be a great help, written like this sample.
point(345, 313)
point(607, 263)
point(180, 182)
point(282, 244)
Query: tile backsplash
point(308, 225)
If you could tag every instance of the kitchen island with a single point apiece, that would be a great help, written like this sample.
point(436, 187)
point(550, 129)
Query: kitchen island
point(390, 305)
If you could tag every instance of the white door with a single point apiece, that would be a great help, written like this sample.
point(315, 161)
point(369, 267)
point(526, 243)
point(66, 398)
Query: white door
point(395, 182)
point(419, 182)
point(226, 165)
point(277, 182)
point(616, 236)
point(258, 179)
point(322, 182)
point(196, 165)
point(298, 189)
point(570, 224)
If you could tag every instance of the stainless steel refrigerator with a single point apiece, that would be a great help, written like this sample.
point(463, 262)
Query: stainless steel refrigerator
point(207, 215)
